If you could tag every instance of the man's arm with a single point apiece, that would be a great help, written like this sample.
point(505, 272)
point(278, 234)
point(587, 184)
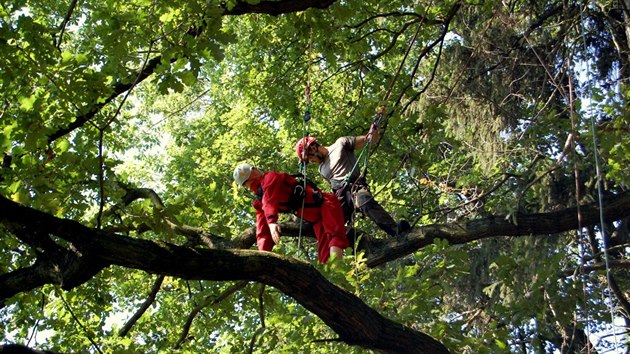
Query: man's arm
point(263, 233)
point(272, 196)
point(274, 193)
point(361, 140)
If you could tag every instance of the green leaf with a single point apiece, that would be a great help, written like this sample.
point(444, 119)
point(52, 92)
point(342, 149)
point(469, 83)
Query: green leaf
point(188, 78)
point(26, 103)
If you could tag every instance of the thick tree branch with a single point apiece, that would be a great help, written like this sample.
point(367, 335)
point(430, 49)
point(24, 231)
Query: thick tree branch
point(23, 280)
point(276, 8)
point(21, 349)
point(541, 224)
point(619, 294)
point(291, 276)
point(64, 266)
point(613, 264)
point(354, 321)
point(382, 251)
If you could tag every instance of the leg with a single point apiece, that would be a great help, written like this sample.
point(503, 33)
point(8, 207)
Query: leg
point(372, 209)
point(330, 231)
point(332, 216)
point(265, 243)
point(263, 235)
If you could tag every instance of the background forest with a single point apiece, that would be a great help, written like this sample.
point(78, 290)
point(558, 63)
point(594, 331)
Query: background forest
point(506, 144)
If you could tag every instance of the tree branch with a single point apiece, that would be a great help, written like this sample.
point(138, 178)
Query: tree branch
point(354, 321)
point(276, 8)
point(293, 277)
point(66, 19)
point(382, 251)
point(21, 349)
point(55, 264)
point(157, 284)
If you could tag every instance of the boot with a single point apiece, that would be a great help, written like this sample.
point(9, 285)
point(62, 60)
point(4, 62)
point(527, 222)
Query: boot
point(403, 228)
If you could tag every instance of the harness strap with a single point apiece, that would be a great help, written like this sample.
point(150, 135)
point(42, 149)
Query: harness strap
point(297, 198)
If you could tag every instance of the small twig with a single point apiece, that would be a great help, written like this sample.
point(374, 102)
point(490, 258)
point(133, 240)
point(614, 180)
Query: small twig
point(101, 180)
point(261, 312)
point(76, 319)
point(66, 19)
point(37, 322)
point(261, 304)
point(252, 341)
point(208, 301)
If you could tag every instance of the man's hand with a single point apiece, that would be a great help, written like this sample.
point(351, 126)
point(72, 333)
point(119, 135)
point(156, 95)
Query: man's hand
point(374, 135)
point(275, 232)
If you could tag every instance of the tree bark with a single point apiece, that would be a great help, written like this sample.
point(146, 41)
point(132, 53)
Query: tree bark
point(21, 349)
point(276, 8)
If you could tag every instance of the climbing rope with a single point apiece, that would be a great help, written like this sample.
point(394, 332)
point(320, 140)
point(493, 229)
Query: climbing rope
point(381, 118)
point(570, 140)
point(598, 174)
point(582, 240)
point(305, 128)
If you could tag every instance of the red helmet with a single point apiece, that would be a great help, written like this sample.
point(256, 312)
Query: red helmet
point(301, 148)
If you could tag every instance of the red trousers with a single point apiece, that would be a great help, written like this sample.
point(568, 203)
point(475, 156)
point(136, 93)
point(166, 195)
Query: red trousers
point(328, 224)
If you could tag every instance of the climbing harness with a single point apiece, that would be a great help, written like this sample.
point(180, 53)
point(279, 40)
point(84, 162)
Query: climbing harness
point(297, 198)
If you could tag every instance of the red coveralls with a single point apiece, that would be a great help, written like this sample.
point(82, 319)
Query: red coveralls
point(327, 219)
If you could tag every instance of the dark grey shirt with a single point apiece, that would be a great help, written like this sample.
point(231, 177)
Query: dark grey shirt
point(339, 162)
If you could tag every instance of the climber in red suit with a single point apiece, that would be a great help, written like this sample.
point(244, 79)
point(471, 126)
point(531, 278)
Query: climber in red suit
point(278, 192)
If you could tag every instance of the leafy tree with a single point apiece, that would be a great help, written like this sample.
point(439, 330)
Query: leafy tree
point(505, 143)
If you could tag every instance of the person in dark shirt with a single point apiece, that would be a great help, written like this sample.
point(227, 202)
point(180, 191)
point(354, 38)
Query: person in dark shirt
point(337, 164)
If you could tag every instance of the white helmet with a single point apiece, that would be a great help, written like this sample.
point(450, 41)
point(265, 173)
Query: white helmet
point(242, 173)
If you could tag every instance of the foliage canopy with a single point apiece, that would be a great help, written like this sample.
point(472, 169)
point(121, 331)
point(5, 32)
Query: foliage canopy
point(506, 131)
